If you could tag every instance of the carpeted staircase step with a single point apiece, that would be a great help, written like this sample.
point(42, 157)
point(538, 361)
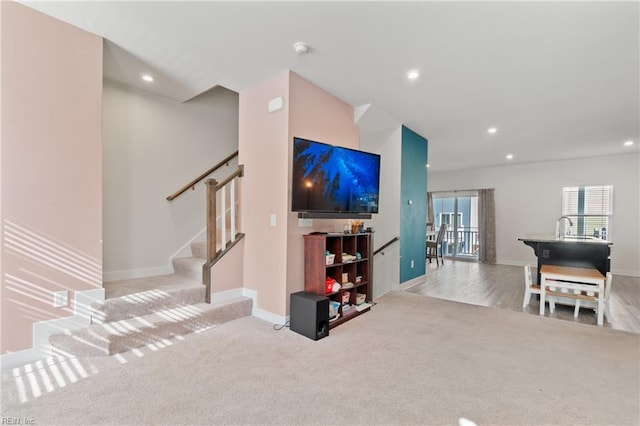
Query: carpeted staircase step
point(120, 336)
point(199, 249)
point(184, 292)
point(190, 267)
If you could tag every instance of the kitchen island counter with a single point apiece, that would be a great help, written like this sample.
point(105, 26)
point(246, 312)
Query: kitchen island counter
point(575, 251)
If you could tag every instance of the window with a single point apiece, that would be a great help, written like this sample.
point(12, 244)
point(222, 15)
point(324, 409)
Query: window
point(447, 218)
point(590, 209)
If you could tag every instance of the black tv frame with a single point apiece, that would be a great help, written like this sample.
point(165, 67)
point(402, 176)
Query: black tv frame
point(302, 214)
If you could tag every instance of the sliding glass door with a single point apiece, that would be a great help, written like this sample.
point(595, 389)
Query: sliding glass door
point(459, 212)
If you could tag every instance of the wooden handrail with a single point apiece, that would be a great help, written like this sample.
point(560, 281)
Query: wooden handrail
point(238, 173)
point(202, 176)
point(213, 186)
point(387, 244)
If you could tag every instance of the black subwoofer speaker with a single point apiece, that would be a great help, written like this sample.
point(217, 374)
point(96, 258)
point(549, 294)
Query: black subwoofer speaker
point(309, 315)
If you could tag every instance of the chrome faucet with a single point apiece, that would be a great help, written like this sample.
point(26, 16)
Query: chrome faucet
point(558, 225)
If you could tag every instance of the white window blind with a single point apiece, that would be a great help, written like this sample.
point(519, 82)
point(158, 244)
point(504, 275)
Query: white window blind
point(590, 208)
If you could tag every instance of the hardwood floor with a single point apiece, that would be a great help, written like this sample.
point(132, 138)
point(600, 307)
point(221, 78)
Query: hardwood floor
point(502, 287)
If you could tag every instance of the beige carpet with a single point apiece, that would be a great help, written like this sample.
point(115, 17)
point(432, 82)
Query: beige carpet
point(411, 360)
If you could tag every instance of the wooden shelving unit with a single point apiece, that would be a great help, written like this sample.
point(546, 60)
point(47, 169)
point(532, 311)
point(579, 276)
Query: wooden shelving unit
point(358, 271)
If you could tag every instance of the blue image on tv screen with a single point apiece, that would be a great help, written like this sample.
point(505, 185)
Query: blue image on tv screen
point(327, 178)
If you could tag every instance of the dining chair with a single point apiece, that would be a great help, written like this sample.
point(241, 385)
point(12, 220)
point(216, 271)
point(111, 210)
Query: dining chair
point(434, 245)
point(529, 286)
point(532, 288)
point(607, 294)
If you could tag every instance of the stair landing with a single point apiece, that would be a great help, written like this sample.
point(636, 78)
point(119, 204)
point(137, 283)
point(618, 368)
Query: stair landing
point(138, 312)
point(161, 282)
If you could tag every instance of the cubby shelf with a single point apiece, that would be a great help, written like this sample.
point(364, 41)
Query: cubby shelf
point(316, 270)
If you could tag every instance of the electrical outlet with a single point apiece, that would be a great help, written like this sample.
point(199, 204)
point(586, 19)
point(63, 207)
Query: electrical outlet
point(307, 223)
point(412, 264)
point(60, 299)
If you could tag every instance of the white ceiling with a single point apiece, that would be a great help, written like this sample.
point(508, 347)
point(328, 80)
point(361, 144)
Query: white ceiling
point(558, 79)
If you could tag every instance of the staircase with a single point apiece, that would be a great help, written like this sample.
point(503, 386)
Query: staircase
point(142, 311)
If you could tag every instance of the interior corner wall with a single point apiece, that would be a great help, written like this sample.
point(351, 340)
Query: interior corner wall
point(152, 147)
point(51, 145)
point(528, 200)
point(264, 151)
point(316, 115)
point(413, 210)
point(386, 267)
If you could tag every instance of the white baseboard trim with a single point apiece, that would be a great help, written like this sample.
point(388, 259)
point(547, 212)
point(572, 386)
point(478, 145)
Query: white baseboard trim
point(136, 273)
point(626, 272)
point(412, 282)
point(508, 262)
point(43, 329)
point(255, 311)
point(261, 313)
point(269, 317)
point(386, 292)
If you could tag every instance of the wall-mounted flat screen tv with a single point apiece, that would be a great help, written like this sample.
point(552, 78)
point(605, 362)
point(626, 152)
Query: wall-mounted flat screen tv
point(333, 179)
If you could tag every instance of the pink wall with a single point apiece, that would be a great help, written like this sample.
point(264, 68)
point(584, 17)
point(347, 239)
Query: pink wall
point(51, 177)
point(227, 273)
point(316, 115)
point(262, 145)
point(274, 255)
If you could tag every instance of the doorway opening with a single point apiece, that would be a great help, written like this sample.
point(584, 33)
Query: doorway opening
point(458, 210)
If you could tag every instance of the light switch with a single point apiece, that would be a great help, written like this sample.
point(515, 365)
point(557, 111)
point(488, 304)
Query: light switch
point(272, 220)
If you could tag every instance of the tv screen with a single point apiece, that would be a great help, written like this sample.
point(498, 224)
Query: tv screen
point(333, 179)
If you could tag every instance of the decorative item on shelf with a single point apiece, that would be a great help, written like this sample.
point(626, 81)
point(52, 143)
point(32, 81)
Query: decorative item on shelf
point(345, 277)
point(333, 309)
point(359, 279)
point(328, 288)
point(347, 285)
point(336, 287)
point(360, 298)
point(370, 230)
point(346, 257)
point(329, 258)
point(346, 309)
point(356, 226)
point(345, 298)
point(358, 256)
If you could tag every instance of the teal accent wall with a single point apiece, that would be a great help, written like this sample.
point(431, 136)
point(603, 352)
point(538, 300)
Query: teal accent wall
point(413, 217)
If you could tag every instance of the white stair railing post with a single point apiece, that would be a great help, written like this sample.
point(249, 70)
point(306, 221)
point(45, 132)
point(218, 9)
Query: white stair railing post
point(223, 217)
point(213, 188)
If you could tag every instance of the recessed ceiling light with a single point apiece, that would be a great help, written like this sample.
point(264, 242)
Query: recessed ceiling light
point(148, 78)
point(413, 74)
point(492, 130)
point(628, 143)
point(509, 156)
